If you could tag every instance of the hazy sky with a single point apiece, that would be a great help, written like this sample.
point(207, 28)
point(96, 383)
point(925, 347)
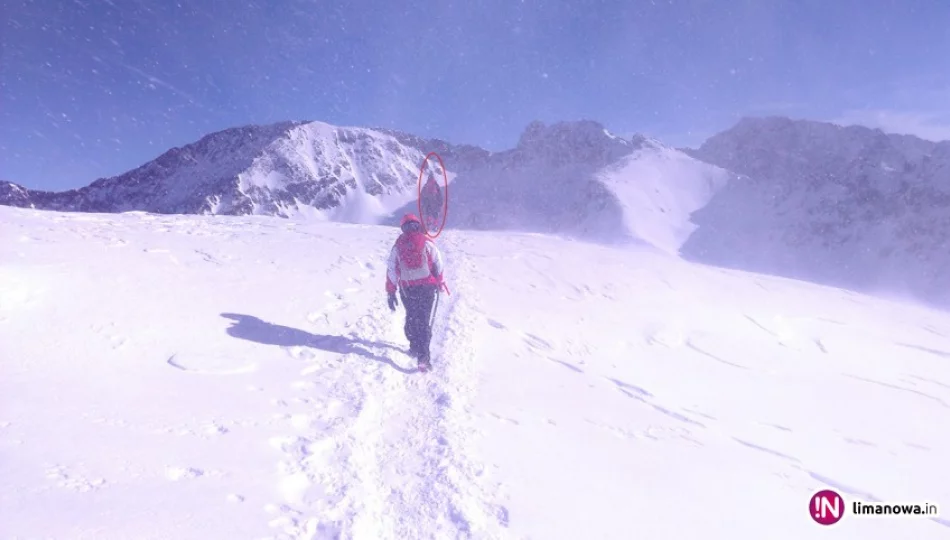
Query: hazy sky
point(92, 88)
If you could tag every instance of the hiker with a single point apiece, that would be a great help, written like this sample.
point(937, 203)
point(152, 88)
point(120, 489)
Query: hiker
point(432, 202)
point(415, 270)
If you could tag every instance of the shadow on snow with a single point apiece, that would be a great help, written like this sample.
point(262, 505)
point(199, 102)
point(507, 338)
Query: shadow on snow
point(251, 328)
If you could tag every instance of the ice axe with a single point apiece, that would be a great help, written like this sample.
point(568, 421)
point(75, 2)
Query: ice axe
point(435, 307)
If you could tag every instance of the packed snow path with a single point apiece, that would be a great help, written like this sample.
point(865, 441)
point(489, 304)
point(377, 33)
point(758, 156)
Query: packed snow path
point(197, 377)
point(375, 454)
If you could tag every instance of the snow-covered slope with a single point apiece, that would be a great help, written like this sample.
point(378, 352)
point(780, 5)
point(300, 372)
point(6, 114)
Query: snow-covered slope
point(241, 377)
point(545, 184)
point(339, 173)
point(848, 206)
point(576, 179)
point(658, 188)
point(14, 195)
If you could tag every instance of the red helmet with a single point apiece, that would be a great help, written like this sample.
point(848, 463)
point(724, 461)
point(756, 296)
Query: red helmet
point(409, 218)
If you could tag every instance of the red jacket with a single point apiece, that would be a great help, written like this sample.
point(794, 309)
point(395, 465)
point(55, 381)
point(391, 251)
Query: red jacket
point(413, 260)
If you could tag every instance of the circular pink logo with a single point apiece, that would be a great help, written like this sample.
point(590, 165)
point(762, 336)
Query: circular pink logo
point(826, 507)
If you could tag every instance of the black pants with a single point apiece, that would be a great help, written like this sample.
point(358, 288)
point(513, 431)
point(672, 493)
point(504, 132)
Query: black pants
point(418, 302)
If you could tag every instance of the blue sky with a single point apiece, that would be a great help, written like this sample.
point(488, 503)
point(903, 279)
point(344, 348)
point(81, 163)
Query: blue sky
point(92, 88)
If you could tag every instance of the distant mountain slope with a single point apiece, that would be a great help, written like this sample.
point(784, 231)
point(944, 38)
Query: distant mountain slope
point(14, 195)
point(569, 178)
point(347, 174)
point(849, 206)
point(577, 179)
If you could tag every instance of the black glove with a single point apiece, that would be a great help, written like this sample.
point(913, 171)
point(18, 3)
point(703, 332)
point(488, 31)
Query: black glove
point(392, 301)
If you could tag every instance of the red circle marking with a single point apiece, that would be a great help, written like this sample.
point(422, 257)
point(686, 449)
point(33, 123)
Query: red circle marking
point(826, 507)
point(445, 195)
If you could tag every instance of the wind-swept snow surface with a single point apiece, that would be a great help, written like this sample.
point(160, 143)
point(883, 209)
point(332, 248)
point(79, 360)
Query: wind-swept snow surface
point(658, 188)
point(223, 377)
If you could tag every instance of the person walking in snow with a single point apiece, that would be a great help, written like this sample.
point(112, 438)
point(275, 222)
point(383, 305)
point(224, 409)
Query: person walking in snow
point(415, 270)
point(431, 202)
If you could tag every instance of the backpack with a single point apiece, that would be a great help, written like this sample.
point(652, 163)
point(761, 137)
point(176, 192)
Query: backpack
point(413, 259)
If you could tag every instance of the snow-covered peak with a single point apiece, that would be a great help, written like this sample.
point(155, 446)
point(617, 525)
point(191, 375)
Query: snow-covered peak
point(341, 173)
point(350, 173)
point(220, 154)
point(14, 195)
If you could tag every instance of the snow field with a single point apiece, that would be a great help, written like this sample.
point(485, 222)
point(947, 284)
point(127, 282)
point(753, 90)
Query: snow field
point(202, 377)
